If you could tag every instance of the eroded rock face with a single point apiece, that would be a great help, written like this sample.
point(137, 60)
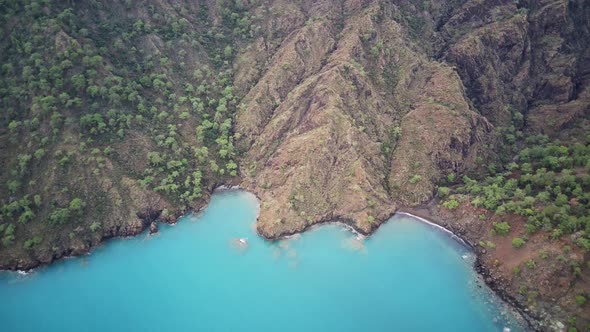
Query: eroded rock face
point(349, 108)
point(532, 57)
point(441, 135)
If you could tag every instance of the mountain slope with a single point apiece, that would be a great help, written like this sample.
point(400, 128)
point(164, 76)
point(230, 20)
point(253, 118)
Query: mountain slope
point(112, 115)
point(355, 109)
point(117, 114)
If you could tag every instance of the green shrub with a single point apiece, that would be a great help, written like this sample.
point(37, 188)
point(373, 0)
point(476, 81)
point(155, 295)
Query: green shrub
point(76, 206)
point(501, 228)
point(518, 242)
point(37, 200)
point(581, 300)
point(443, 192)
point(543, 254)
point(39, 153)
point(583, 243)
point(7, 240)
point(451, 178)
point(531, 264)
point(415, 179)
point(13, 186)
point(451, 204)
point(577, 271)
point(59, 216)
point(28, 244)
point(516, 271)
point(95, 226)
point(37, 239)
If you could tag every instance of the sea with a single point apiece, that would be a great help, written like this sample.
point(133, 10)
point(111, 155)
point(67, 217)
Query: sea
point(212, 272)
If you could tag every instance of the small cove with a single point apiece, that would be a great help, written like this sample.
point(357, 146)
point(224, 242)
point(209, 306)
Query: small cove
point(408, 276)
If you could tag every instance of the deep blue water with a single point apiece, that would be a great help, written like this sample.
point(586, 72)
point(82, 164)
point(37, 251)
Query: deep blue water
point(193, 276)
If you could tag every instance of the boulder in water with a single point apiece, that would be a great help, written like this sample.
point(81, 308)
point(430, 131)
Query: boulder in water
point(153, 228)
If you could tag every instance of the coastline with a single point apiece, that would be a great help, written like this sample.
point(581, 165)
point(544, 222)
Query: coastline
point(420, 213)
point(423, 214)
point(339, 241)
point(146, 220)
point(348, 224)
point(449, 232)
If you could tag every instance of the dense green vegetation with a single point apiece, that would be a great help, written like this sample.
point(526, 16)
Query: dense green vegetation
point(77, 89)
point(548, 183)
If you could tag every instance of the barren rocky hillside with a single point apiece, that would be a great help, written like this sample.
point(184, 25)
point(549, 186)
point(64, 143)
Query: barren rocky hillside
point(364, 106)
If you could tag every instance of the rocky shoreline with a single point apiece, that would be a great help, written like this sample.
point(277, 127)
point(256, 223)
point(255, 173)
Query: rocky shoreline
point(497, 285)
point(424, 212)
point(544, 314)
point(428, 213)
point(83, 247)
point(147, 219)
point(346, 223)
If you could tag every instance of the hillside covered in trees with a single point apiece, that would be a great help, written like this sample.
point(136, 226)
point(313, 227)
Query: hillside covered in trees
point(106, 115)
point(115, 114)
point(530, 222)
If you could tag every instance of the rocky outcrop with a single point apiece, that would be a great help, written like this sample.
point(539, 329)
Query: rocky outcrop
point(442, 135)
point(527, 57)
point(153, 228)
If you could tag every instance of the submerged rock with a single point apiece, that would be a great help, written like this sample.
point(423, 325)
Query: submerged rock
point(241, 244)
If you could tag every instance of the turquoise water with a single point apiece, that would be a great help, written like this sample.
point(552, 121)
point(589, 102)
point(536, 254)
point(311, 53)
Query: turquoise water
point(194, 277)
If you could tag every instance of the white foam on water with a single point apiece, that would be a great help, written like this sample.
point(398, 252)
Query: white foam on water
point(453, 235)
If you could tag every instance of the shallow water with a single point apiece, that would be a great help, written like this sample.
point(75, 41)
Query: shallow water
point(195, 276)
